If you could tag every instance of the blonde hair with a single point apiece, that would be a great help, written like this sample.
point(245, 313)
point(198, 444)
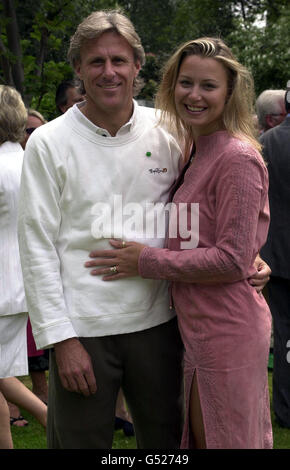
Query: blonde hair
point(34, 113)
point(239, 108)
point(13, 115)
point(100, 22)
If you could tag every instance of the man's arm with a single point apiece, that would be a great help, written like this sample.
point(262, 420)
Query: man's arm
point(38, 228)
point(39, 224)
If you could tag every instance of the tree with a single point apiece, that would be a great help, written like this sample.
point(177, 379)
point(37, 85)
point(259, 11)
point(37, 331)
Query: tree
point(34, 38)
point(264, 48)
point(164, 25)
point(11, 52)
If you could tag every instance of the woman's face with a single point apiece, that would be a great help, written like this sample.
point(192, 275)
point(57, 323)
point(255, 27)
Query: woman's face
point(200, 93)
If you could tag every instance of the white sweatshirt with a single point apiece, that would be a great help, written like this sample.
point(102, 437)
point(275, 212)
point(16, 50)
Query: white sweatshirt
point(12, 297)
point(73, 177)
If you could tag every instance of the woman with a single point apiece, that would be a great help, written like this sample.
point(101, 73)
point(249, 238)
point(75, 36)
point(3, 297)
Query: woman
point(13, 311)
point(225, 324)
point(34, 120)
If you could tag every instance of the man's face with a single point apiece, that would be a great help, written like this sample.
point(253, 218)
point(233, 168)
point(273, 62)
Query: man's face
point(108, 70)
point(73, 96)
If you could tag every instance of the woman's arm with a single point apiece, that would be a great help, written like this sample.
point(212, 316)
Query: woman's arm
point(240, 201)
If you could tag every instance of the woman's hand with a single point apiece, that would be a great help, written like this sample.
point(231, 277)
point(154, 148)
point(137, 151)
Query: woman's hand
point(262, 276)
point(116, 264)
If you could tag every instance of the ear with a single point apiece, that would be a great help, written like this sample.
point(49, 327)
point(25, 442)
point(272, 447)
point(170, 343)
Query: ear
point(269, 120)
point(63, 108)
point(77, 69)
point(137, 67)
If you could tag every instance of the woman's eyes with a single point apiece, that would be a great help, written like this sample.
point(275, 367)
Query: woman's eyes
point(209, 85)
point(187, 83)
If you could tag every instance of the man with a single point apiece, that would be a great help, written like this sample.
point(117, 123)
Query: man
point(67, 94)
point(270, 109)
point(276, 151)
point(102, 158)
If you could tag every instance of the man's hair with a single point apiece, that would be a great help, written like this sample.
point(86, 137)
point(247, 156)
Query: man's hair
point(100, 22)
point(239, 108)
point(13, 115)
point(268, 102)
point(34, 113)
point(60, 95)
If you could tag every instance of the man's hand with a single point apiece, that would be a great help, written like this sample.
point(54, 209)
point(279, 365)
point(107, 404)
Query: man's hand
point(262, 276)
point(75, 367)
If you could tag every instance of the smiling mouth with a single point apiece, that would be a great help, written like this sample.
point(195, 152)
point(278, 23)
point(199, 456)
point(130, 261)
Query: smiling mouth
point(109, 87)
point(195, 109)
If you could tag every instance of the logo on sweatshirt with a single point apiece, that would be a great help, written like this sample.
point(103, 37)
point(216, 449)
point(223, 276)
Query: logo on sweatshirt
point(157, 170)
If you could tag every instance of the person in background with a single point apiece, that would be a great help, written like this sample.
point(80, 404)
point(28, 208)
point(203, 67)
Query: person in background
point(13, 310)
point(67, 94)
point(34, 120)
point(207, 97)
point(276, 151)
point(270, 109)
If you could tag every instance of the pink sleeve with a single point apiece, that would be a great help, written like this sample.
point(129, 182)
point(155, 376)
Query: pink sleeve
point(241, 228)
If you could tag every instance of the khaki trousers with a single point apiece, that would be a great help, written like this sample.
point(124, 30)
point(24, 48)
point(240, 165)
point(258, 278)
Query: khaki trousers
point(148, 367)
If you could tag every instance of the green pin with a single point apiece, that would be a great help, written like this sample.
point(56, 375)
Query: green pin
point(148, 154)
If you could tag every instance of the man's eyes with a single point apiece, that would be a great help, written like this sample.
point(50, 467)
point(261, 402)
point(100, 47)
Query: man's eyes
point(116, 60)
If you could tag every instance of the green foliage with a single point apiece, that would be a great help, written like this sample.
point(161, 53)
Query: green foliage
point(150, 73)
point(264, 50)
point(45, 28)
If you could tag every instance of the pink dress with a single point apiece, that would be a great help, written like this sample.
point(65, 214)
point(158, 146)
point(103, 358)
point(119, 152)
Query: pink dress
point(225, 325)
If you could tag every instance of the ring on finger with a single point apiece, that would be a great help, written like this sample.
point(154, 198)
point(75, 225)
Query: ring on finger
point(113, 269)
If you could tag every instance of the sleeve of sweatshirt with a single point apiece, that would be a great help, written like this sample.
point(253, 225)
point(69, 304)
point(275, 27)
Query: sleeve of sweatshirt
point(241, 199)
point(39, 221)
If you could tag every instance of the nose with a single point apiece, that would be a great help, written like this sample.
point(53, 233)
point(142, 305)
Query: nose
point(108, 71)
point(194, 92)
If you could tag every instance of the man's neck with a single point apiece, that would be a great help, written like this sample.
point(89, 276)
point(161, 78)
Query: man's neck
point(111, 121)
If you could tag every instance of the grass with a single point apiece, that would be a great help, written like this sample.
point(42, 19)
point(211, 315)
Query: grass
point(281, 436)
point(33, 436)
